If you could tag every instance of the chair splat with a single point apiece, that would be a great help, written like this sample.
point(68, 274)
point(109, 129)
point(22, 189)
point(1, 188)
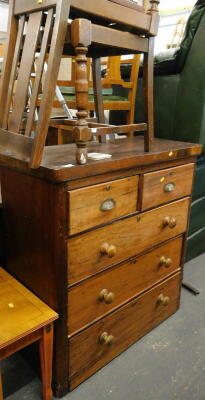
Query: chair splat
point(26, 64)
point(33, 28)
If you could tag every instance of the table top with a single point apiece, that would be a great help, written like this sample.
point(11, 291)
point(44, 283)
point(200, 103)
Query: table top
point(21, 312)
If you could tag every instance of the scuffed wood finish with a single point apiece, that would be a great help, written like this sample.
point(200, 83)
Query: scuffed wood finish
point(127, 154)
point(130, 236)
point(122, 283)
point(155, 185)
point(85, 205)
point(126, 325)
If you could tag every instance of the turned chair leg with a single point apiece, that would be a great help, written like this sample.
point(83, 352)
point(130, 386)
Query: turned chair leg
point(46, 356)
point(81, 39)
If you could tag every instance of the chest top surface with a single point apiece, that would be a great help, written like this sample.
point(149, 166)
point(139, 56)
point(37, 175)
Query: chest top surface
point(59, 163)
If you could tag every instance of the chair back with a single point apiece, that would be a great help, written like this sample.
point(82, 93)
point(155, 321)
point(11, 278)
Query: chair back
point(34, 26)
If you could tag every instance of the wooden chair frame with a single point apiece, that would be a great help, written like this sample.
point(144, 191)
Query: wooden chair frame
point(112, 77)
point(85, 37)
point(45, 33)
point(90, 39)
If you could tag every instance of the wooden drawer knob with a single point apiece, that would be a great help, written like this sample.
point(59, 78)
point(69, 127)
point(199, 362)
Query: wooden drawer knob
point(109, 250)
point(165, 262)
point(169, 221)
point(164, 300)
point(107, 340)
point(169, 187)
point(106, 296)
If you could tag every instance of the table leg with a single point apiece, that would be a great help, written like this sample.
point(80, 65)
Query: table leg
point(46, 356)
point(1, 390)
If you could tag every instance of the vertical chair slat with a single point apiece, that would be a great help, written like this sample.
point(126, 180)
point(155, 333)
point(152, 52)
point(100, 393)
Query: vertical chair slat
point(13, 71)
point(148, 73)
point(56, 49)
point(8, 57)
point(26, 65)
point(40, 65)
point(133, 92)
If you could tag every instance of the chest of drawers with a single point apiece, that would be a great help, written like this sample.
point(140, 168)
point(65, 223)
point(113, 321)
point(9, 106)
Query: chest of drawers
point(102, 244)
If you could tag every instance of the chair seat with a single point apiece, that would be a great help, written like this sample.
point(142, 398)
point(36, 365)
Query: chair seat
point(127, 3)
point(72, 97)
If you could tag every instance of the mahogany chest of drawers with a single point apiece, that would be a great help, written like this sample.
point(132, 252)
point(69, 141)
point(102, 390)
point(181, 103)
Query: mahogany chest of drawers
point(102, 244)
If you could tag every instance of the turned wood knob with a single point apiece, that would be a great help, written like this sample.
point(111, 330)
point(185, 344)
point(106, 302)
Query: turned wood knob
point(109, 250)
point(165, 262)
point(107, 340)
point(164, 300)
point(106, 296)
point(169, 221)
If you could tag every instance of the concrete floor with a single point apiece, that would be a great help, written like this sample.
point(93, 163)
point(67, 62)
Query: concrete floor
point(168, 363)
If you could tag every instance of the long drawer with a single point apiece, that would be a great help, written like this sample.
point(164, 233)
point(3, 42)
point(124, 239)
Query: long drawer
point(97, 345)
point(98, 296)
point(99, 204)
point(94, 251)
point(167, 185)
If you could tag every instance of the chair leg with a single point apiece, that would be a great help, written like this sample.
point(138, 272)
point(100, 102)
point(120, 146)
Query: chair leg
point(1, 390)
point(81, 39)
point(97, 86)
point(46, 357)
point(148, 93)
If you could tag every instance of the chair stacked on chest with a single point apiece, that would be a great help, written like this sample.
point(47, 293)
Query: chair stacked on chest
point(114, 28)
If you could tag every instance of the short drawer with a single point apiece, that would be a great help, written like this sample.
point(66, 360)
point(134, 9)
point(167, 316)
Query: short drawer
point(98, 296)
point(96, 205)
point(99, 344)
point(166, 185)
point(94, 251)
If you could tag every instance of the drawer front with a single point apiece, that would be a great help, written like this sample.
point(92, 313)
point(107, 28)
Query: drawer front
point(94, 251)
point(102, 203)
point(98, 296)
point(97, 345)
point(167, 185)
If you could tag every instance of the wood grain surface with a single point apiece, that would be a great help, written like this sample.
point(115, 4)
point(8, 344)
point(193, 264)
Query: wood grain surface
point(85, 205)
point(126, 325)
point(122, 283)
point(130, 237)
point(154, 185)
point(21, 312)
